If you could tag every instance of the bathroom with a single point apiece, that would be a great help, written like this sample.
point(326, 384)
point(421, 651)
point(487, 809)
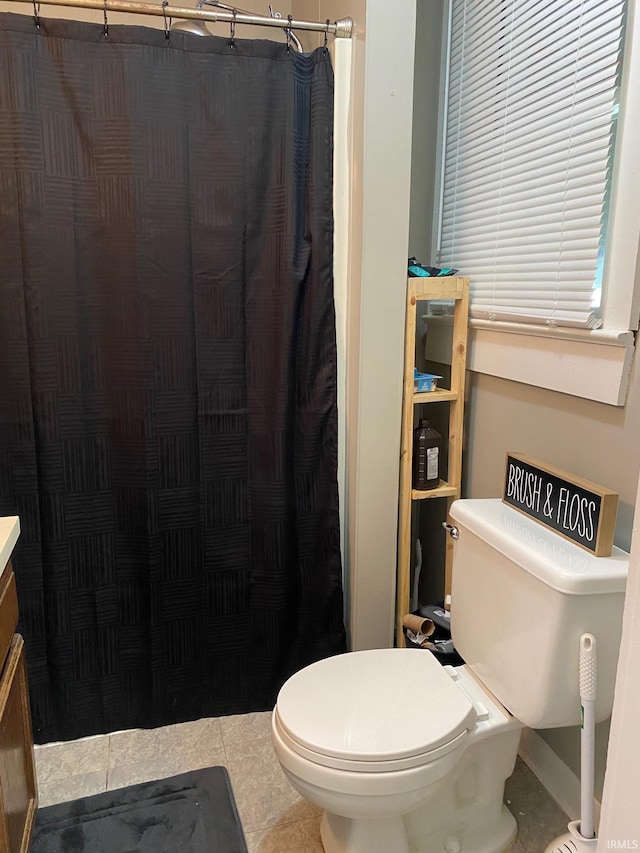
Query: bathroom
point(595, 439)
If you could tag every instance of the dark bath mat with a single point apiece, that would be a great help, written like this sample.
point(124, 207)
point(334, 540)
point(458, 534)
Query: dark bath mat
point(191, 813)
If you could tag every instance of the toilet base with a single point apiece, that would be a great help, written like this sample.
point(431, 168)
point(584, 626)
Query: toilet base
point(464, 812)
point(494, 837)
point(345, 835)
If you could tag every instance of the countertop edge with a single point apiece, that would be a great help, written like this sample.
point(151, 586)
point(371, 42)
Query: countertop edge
point(9, 532)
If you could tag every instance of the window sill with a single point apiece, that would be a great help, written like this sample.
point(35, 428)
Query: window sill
point(594, 365)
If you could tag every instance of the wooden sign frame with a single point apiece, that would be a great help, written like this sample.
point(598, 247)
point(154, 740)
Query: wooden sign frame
point(577, 509)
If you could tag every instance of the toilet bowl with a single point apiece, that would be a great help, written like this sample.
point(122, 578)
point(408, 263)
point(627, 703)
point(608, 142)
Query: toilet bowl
point(375, 736)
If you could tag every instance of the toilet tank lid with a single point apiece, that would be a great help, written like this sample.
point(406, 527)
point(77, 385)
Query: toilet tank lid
point(551, 558)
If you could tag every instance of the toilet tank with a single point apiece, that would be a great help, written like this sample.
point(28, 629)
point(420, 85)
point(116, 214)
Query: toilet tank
point(521, 598)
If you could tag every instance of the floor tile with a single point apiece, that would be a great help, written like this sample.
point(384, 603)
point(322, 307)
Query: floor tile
point(243, 727)
point(163, 766)
point(71, 787)
point(300, 837)
point(275, 818)
point(134, 774)
point(263, 794)
point(134, 746)
point(540, 819)
point(73, 758)
point(139, 745)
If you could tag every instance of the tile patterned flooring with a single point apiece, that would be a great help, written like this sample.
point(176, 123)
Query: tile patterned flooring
point(274, 817)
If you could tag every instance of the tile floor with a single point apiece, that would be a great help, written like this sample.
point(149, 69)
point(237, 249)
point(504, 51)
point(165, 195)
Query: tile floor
point(274, 817)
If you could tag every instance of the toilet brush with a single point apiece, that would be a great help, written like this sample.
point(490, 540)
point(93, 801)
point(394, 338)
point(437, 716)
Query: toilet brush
point(581, 835)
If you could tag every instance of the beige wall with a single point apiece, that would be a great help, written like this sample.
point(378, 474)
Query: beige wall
point(429, 22)
point(597, 441)
point(591, 439)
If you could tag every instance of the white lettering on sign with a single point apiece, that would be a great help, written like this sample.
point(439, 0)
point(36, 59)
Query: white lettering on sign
point(524, 487)
point(575, 513)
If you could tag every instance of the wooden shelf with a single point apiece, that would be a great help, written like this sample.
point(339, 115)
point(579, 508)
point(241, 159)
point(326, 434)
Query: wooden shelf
point(440, 395)
point(425, 289)
point(442, 490)
point(446, 287)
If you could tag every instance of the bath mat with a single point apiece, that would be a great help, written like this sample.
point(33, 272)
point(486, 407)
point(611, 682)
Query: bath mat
point(194, 812)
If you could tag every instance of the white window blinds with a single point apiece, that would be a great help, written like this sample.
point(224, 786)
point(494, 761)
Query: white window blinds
point(531, 99)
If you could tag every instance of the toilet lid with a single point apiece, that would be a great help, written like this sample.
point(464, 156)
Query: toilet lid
point(378, 705)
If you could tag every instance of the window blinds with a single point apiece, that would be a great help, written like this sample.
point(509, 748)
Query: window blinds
point(531, 99)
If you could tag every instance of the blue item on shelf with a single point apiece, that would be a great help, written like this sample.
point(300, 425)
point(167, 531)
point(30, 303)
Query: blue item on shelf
point(417, 270)
point(424, 381)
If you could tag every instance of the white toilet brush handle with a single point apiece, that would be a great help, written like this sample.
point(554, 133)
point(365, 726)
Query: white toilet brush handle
point(588, 682)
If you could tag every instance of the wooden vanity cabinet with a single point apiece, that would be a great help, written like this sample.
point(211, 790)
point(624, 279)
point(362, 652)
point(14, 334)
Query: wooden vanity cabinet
point(18, 798)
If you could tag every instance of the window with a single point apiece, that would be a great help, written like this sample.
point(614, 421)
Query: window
point(530, 197)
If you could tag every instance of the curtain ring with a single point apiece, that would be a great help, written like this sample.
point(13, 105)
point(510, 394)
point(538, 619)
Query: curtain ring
point(105, 26)
point(167, 31)
point(288, 31)
point(36, 13)
point(326, 33)
point(232, 27)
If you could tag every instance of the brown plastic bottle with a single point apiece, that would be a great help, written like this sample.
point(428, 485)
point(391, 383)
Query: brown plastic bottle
point(426, 456)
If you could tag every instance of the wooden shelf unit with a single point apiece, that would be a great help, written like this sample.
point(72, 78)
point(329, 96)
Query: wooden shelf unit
point(424, 290)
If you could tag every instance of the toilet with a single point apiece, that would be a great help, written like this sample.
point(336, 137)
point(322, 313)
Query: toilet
point(403, 754)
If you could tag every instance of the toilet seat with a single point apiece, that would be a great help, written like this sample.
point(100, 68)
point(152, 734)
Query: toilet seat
point(356, 766)
point(421, 714)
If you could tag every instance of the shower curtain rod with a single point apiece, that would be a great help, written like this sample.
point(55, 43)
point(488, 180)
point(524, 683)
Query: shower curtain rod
point(340, 29)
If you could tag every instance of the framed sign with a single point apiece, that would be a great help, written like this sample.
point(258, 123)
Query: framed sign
point(574, 507)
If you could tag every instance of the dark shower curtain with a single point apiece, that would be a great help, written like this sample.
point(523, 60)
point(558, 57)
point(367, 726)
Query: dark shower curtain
point(168, 424)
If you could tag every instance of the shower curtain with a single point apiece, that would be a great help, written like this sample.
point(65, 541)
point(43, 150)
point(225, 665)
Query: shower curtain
point(168, 421)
